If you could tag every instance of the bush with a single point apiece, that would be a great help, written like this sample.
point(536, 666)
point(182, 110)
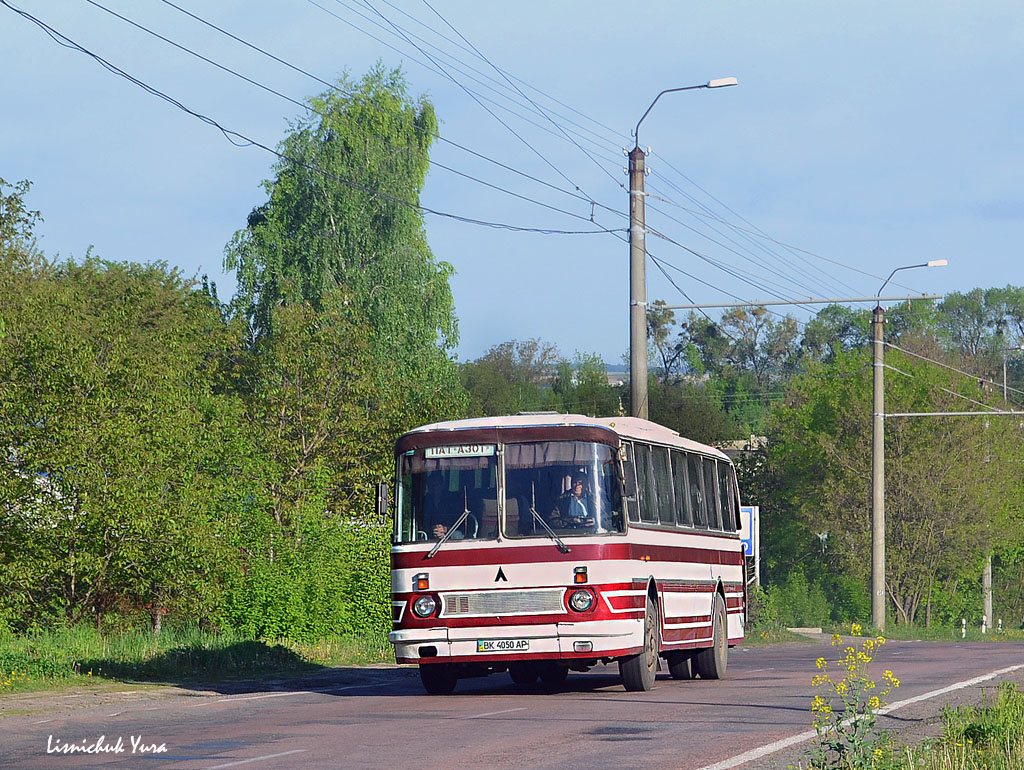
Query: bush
point(796, 602)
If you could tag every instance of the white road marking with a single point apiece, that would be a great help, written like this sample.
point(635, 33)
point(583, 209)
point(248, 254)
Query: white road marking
point(958, 686)
point(42, 721)
point(770, 748)
point(319, 690)
point(256, 759)
point(492, 713)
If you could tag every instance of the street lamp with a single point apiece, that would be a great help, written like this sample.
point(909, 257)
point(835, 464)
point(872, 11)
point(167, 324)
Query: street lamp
point(932, 263)
point(638, 260)
point(878, 454)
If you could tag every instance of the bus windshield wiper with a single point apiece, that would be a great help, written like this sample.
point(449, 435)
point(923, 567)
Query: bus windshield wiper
point(537, 517)
point(455, 527)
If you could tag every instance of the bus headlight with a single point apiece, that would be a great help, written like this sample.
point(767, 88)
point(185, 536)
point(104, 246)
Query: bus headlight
point(425, 606)
point(581, 601)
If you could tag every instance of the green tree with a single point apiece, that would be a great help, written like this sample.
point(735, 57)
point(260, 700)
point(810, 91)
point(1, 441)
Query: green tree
point(106, 372)
point(693, 409)
point(16, 221)
point(949, 497)
point(342, 227)
point(581, 386)
point(511, 377)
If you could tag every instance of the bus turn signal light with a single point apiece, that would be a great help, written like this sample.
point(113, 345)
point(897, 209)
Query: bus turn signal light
point(579, 575)
point(421, 582)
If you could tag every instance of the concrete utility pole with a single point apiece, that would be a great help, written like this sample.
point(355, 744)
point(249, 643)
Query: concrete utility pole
point(878, 473)
point(878, 454)
point(637, 286)
point(638, 260)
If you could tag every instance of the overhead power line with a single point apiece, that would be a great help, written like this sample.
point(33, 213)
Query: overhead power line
point(334, 87)
point(241, 140)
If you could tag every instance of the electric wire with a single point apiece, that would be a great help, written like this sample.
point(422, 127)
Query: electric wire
point(951, 368)
point(496, 187)
point(436, 67)
point(737, 273)
point(944, 390)
point(507, 87)
point(520, 92)
point(509, 128)
point(336, 88)
point(739, 216)
point(746, 258)
point(611, 131)
point(310, 108)
point(756, 251)
point(241, 140)
point(593, 203)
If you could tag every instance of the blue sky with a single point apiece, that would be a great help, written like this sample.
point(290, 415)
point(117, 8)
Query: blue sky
point(870, 134)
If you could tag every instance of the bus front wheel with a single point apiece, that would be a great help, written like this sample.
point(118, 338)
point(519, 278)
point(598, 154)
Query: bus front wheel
point(638, 671)
point(438, 678)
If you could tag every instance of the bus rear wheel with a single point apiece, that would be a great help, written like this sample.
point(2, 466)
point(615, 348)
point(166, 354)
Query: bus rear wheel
point(438, 678)
point(553, 674)
point(711, 662)
point(638, 671)
point(680, 664)
point(524, 673)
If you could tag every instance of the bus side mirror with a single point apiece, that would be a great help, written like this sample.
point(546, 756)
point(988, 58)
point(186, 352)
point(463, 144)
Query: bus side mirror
point(382, 503)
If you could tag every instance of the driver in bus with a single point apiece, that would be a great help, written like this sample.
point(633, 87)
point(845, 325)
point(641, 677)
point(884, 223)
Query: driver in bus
point(574, 508)
point(436, 509)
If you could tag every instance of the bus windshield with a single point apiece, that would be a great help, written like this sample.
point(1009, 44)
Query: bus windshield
point(437, 486)
point(573, 486)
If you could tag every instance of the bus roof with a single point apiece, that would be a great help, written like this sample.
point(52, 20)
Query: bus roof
point(625, 427)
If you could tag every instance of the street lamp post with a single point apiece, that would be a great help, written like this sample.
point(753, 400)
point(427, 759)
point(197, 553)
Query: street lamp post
point(638, 260)
point(878, 453)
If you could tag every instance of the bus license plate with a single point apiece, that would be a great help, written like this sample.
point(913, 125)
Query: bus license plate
point(502, 645)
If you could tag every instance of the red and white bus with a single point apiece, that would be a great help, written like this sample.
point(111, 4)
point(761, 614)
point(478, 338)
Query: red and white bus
point(543, 543)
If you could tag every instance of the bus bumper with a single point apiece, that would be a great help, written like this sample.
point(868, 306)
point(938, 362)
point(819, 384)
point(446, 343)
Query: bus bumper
point(494, 644)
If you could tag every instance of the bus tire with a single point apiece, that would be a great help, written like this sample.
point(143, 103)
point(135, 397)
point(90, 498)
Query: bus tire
point(638, 671)
point(438, 678)
point(553, 674)
point(711, 662)
point(680, 664)
point(523, 673)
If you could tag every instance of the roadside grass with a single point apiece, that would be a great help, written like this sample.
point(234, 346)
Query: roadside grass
point(80, 655)
point(761, 636)
point(945, 634)
point(985, 737)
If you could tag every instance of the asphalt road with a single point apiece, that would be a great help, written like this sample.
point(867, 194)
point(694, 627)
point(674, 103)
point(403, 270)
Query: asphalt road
point(380, 718)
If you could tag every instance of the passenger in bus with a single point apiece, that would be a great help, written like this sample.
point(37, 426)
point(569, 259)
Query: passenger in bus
point(437, 510)
point(576, 507)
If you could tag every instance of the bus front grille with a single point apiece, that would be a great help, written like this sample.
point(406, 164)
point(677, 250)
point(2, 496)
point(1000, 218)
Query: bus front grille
point(539, 601)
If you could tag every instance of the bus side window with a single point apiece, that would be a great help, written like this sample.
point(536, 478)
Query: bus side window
point(663, 485)
point(684, 515)
point(645, 493)
point(697, 497)
point(629, 482)
point(711, 494)
point(727, 494)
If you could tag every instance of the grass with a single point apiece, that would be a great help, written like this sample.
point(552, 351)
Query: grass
point(765, 635)
point(79, 655)
point(985, 737)
point(943, 634)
